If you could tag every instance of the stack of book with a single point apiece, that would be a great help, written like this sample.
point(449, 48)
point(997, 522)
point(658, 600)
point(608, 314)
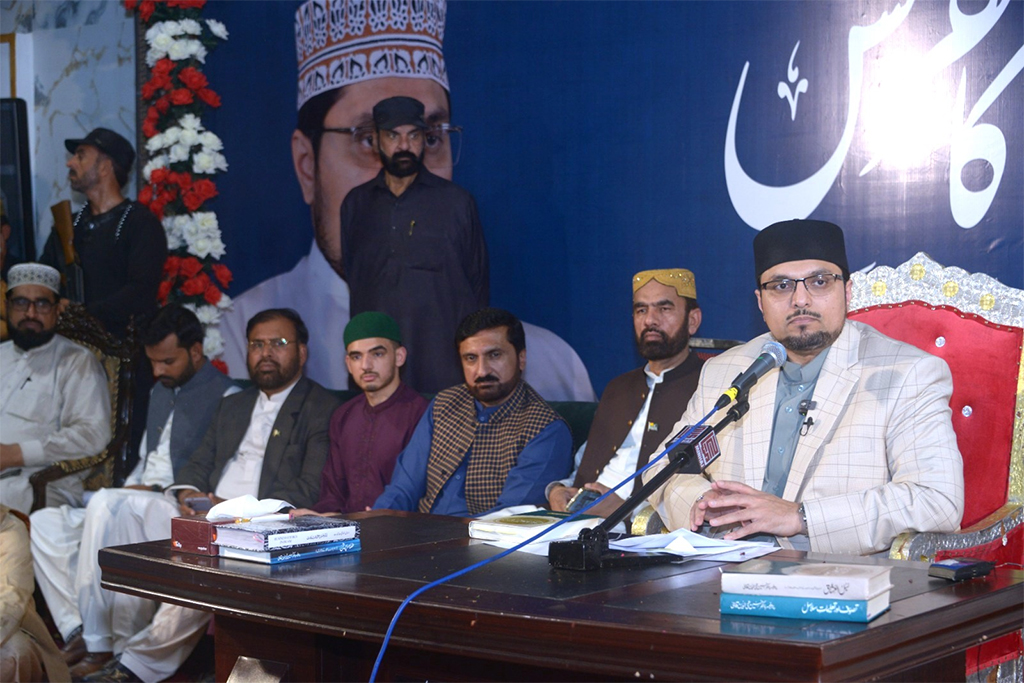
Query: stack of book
point(802, 590)
point(517, 528)
point(273, 542)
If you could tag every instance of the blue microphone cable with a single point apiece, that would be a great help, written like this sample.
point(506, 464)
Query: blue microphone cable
point(423, 589)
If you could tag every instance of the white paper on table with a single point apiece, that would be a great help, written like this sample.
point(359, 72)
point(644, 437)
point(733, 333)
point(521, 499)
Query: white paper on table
point(248, 507)
point(686, 543)
point(513, 510)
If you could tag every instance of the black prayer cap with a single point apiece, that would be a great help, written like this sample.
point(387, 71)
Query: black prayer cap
point(108, 142)
point(799, 240)
point(399, 111)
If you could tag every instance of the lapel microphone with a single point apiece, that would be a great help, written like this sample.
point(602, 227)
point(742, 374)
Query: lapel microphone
point(806, 406)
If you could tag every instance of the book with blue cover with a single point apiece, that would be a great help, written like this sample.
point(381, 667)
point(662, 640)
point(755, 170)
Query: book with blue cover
point(813, 609)
point(273, 535)
point(302, 552)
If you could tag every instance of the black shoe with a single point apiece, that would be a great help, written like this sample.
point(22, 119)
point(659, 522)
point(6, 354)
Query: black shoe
point(114, 672)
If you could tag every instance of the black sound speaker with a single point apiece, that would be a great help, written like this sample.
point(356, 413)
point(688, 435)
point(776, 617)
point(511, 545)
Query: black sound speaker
point(16, 181)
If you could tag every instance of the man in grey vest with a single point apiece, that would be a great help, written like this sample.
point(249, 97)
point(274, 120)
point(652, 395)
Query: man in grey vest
point(66, 540)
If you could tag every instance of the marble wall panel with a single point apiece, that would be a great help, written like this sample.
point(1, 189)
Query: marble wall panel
point(83, 78)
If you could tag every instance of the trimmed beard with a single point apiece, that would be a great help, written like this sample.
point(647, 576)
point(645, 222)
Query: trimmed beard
point(814, 341)
point(181, 380)
point(272, 380)
point(393, 165)
point(666, 347)
point(26, 340)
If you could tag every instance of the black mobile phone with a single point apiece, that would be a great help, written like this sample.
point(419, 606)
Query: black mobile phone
point(582, 499)
point(960, 568)
point(199, 503)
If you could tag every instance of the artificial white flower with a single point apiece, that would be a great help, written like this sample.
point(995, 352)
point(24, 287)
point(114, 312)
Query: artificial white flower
point(163, 42)
point(217, 28)
point(155, 143)
point(183, 223)
point(217, 250)
point(208, 315)
point(178, 152)
point(210, 142)
point(179, 50)
point(198, 51)
point(213, 344)
point(225, 302)
point(188, 137)
point(207, 222)
point(174, 241)
point(204, 163)
point(153, 55)
point(190, 122)
point(171, 135)
point(191, 27)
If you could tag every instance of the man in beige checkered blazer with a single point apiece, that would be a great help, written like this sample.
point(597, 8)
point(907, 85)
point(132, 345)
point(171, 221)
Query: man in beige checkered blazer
point(878, 455)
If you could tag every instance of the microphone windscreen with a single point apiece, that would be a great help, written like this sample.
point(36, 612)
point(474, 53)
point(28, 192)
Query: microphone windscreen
point(776, 350)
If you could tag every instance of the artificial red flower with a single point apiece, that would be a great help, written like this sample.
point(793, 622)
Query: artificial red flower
point(149, 88)
point(223, 274)
point(163, 104)
point(220, 365)
point(159, 175)
point(205, 188)
point(192, 78)
point(164, 290)
point(157, 208)
point(130, 4)
point(163, 67)
point(186, 4)
point(209, 96)
point(146, 9)
point(190, 267)
point(146, 195)
point(192, 200)
point(194, 286)
point(182, 96)
point(172, 265)
point(212, 295)
point(149, 128)
point(182, 180)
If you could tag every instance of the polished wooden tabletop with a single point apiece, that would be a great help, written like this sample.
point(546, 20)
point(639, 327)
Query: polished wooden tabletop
point(660, 622)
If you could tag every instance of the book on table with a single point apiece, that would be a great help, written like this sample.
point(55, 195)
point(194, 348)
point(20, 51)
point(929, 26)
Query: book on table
point(301, 552)
point(274, 535)
point(523, 526)
point(835, 581)
point(813, 609)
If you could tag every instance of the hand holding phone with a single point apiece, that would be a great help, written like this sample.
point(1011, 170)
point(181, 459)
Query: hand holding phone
point(199, 503)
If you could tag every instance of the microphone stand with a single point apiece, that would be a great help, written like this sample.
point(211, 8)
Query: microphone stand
point(590, 551)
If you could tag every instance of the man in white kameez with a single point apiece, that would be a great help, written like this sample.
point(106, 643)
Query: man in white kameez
point(54, 401)
point(67, 539)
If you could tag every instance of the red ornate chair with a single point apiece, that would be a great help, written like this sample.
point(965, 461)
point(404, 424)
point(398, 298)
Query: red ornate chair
point(976, 324)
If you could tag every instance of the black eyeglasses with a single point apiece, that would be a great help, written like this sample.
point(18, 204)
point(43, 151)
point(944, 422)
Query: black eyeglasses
point(42, 306)
point(815, 284)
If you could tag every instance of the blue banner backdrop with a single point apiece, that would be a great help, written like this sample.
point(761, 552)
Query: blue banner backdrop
point(606, 138)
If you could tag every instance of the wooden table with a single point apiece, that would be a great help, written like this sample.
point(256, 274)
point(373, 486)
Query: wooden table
point(518, 619)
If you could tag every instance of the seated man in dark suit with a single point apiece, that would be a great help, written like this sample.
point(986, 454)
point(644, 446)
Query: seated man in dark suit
point(485, 445)
point(269, 441)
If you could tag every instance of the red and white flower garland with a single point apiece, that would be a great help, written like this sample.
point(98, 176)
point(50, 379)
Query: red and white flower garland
point(183, 158)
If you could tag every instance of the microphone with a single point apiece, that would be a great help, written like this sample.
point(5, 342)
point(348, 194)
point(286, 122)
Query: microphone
point(773, 354)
